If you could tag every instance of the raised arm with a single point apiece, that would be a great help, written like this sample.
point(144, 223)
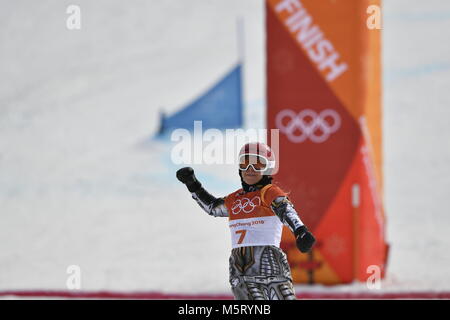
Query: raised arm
point(211, 205)
point(284, 209)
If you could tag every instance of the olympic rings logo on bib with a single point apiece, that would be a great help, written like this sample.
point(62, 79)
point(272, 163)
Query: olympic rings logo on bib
point(245, 205)
point(309, 124)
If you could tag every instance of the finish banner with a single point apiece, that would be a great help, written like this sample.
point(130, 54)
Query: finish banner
point(324, 95)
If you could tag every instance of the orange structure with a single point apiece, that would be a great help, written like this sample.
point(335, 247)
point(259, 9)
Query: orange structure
point(324, 95)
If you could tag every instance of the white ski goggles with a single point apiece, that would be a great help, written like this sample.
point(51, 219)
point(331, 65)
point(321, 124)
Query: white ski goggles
point(258, 162)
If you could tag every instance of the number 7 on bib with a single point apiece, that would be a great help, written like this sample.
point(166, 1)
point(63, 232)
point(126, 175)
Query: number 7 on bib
point(241, 238)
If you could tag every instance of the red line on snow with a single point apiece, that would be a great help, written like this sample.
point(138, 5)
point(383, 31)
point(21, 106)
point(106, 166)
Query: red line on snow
point(180, 296)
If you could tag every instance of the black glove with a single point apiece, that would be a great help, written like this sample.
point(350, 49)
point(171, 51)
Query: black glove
point(186, 175)
point(304, 239)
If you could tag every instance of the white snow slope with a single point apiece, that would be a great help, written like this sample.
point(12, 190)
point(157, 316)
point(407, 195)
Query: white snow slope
point(81, 183)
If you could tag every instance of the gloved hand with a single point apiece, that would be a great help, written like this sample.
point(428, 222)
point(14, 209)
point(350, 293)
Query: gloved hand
point(186, 175)
point(304, 239)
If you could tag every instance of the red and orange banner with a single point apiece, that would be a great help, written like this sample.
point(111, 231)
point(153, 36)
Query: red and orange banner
point(324, 95)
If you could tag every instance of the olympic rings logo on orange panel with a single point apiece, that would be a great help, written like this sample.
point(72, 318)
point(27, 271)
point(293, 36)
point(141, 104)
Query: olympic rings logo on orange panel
point(308, 124)
point(245, 205)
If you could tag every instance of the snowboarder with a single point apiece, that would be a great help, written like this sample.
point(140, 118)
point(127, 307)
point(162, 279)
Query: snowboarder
point(258, 267)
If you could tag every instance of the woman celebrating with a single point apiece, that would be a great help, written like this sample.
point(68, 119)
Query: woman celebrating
point(258, 267)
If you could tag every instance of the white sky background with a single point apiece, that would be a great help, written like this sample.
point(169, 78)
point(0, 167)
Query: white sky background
point(77, 186)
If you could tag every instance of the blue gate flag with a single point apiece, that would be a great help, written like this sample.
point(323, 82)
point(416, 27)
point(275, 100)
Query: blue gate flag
point(220, 107)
